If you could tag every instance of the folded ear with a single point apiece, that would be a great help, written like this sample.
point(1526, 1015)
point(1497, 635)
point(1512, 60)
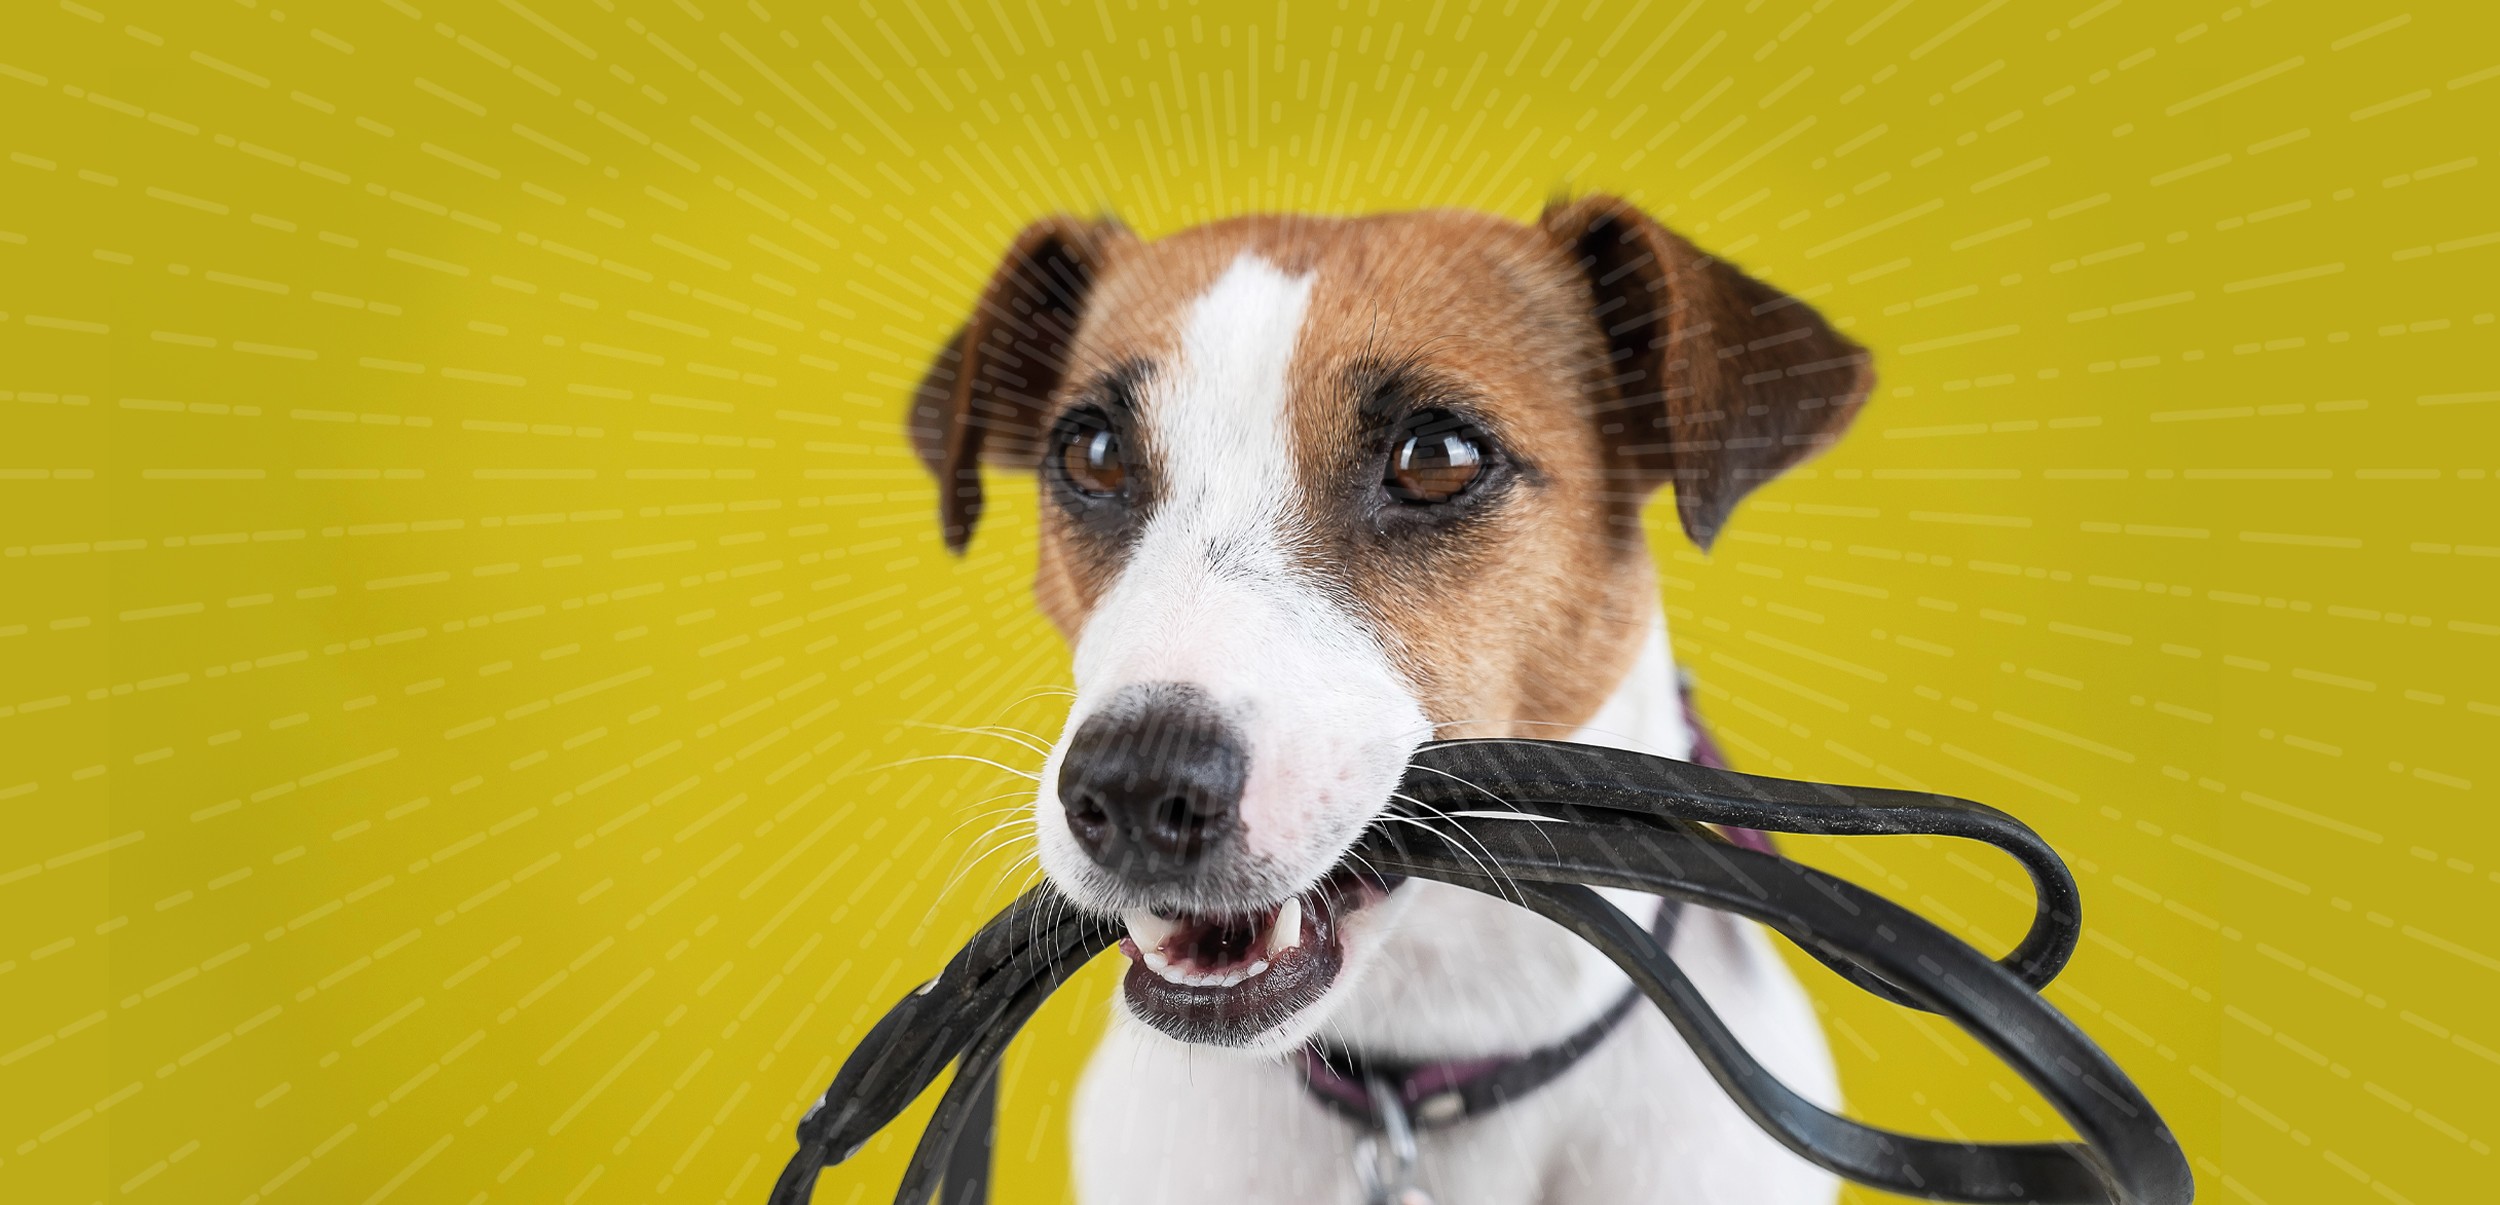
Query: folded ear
point(1715, 381)
point(984, 395)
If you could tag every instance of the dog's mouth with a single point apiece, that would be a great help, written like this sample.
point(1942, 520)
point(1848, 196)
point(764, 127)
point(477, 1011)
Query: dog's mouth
point(1225, 979)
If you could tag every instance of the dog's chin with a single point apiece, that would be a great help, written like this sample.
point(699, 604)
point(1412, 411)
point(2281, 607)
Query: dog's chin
point(1255, 980)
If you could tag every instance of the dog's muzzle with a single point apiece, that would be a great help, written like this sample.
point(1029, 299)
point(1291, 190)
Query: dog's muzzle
point(1151, 785)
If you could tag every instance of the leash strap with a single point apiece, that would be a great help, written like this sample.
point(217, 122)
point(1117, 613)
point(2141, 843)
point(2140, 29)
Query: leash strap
point(1643, 824)
point(968, 1163)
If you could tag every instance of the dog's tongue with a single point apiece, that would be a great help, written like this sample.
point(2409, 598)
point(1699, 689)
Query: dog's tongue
point(1215, 951)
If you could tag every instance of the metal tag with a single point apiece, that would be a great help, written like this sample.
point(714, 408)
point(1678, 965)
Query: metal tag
point(1385, 1163)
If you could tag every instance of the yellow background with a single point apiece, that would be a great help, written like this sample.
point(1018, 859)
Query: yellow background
point(466, 609)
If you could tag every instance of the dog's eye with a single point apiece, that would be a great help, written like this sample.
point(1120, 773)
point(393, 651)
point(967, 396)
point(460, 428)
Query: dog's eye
point(1434, 457)
point(1090, 456)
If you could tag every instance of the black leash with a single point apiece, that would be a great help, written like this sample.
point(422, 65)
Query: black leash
point(1593, 816)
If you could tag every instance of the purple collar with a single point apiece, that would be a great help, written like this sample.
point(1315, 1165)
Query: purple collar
point(1436, 1094)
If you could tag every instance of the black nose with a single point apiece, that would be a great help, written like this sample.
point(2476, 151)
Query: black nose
point(1152, 782)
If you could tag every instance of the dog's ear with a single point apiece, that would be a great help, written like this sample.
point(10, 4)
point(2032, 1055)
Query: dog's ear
point(984, 395)
point(1715, 381)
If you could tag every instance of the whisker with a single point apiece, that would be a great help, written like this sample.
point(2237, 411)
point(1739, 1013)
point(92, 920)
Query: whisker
point(1011, 821)
point(1357, 855)
point(1027, 775)
point(1462, 781)
point(964, 866)
point(1013, 736)
point(1623, 739)
point(1492, 870)
point(972, 817)
point(1508, 814)
point(1481, 848)
point(1010, 870)
point(1015, 731)
point(1409, 799)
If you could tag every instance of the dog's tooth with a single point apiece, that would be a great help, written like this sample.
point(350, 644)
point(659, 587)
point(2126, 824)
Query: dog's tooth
point(1156, 962)
point(1149, 930)
point(1257, 968)
point(1286, 932)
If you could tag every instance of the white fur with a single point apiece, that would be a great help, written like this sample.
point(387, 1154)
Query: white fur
point(1210, 597)
point(1422, 993)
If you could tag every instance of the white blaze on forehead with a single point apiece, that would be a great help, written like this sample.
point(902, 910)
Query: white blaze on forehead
point(1209, 569)
point(1216, 416)
point(1210, 597)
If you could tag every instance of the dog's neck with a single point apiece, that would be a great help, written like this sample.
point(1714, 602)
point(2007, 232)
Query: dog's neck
point(1460, 974)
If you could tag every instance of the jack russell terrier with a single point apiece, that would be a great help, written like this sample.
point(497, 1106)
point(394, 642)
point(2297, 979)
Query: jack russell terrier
point(1314, 491)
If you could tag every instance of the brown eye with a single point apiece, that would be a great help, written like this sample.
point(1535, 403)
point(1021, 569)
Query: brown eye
point(1434, 458)
point(1089, 455)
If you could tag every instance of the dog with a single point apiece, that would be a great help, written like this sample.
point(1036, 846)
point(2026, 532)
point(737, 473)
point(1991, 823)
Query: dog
point(1314, 491)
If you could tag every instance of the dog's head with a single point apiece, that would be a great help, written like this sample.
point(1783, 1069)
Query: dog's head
point(1314, 491)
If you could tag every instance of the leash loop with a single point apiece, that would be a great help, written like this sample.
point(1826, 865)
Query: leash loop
point(1613, 819)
